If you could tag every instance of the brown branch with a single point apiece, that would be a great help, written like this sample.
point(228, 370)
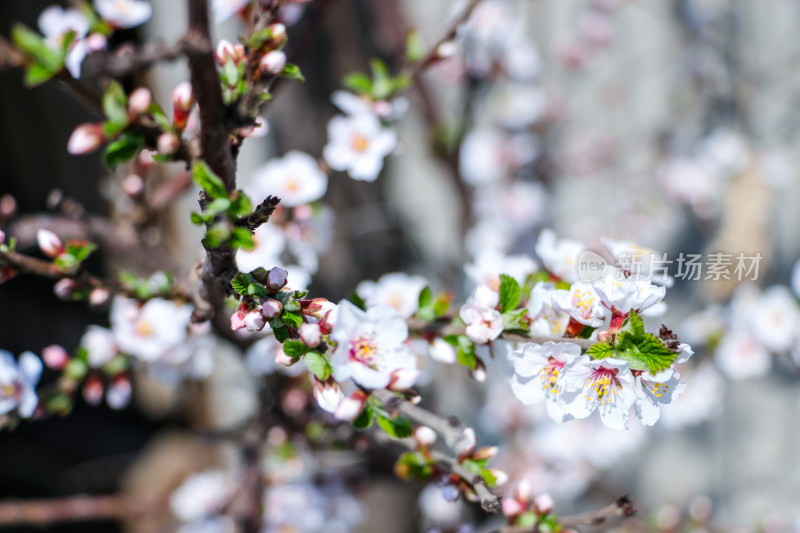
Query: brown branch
point(622, 507)
point(443, 330)
point(128, 61)
point(261, 213)
point(78, 508)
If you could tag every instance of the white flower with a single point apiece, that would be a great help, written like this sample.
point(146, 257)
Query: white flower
point(225, 9)
point(483, 324)
point(520, 205)
point(483, 158)
point(643, 263)
point(55, 22)
point(488, 266)
point(200, 496)
point(442, 351)
point(357, 144)
point(80, 49)
point(739, 356)
point(559, 257)
point(603, 384)
point(623, 294)
point(699, 402)
point(397, 290)
point(100, 345)
point(351, 104)
point(370, 345)
point(653, 390)
point(536, 372)
point(546, 319)
point(582, 303)
point(269, 245)
point(328, 394)
point(124, 13)
point(775, 321)
point(18, 380)
point(147, 332)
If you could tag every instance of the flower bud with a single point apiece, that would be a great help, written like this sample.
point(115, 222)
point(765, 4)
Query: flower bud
point(132, 185)
point(2, 236)
point(446, 49)
point(85, 138)
point(522, 492)
point(328, 394)
point(98, 297)
point(49, 243)
point(182, 100)
point(276, 279)
point(604, 336)
point(237, 318)
point(425, 436)
point(403, 378)
point(511, 507)
point(310, 334)
point(500, 476)
point(272, 62)
point(254, 320)
point(486, 452)
point(543, 504)
point(223, 52)
point(282, 359)
point(278, 33)
point(8, 205)
point(168, 143)
point(316, 308)
point(351, 406)
point(119, 392)
point(55, 356)
point(65, 289)
point(93, 390)
point(464, 443)
point(272, 308)
point(139, 101)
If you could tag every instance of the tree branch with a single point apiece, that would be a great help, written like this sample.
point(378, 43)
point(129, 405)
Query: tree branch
point(77, 508)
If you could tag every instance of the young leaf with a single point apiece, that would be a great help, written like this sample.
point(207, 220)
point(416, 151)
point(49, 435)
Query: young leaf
point(364, 419)
point(294, 348)
point(35, 46)
point(123, 149)
point(601, 350)
point(291, 319)
point(318, 364)
point(37, 74)
point(637, 324)
point(292, 72)
point(399, 427)
point(509, 293)
point(415, 48)
point(115, 104)
point(205, 178)
point(240, 283)
point(515, 320)
point(466, 353)
point(280, 332)
point(358, 82)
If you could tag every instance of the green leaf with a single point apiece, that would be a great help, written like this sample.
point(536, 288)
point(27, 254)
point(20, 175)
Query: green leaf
point(200, 219)
point(318, 364)
point(413, 465)
point(358, 82)
point(509, 293)
point(399, 427)
point(601, 350)
point(294, 348)
point(637, 324)
point(291, 318)
point(381, 81)
point(240, 205)
point(210, 182)
point(257, 290)
point(356, 300)
point(292, 72)
point(442, 304)
point(115, 104)
point(76, 369)
point(364, 418)
point(426, 311)
point(80, 250)
point(425, 297)
point(230, 74)
point(37, 74)
point(240, 283)
point(242, 238)
point(216, 235)
point(515, 320)
point(652, 352)
point(466, 353)
point(257, 39)
point(161, 119)
point(415, 48)
point(123, 149)
point(489, 478)
point(281, 333)
point(220, 205)
point(35, 46)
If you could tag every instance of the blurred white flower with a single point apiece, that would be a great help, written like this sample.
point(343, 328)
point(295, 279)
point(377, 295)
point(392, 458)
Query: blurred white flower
point(55, 22)
point(225, 9)
point(124, 13)
point(295, 178)
point(488, 266)
point(100, 345)
point(269, 245)
point(148, 331)
point(398, 290)
point(18, 380)
point(483, 157)
point(201, 495)
point(775, 319)
point(559, 257)
point(358, 144)
point(739, 356)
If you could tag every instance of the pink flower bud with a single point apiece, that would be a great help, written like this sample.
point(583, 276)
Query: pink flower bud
point(272, 308)
point(310, 334)
point(351, 406)
point(500, 477)
point(2, 236)
point(65, 289)
point(55, 356)
point(93, 390)
point(276, 279)
point(511, 507)
point(254, 320)
point(223, 52)
point(316, 308)
point(98, 297)
point(182, 100)
point(119, 392)
point(403, 378)
point(139, 101)
point(49, 243)
point(282, 359)
point(272, 62)
point(446, 49)
point(604, 336)
point(425, 436)
point(278, 33)
point(328, 394)
point(237, 318)
point(543, 504)
point(486, 452)
point(8, 205)
point(522, 492)
point(145, 161)
point(133, 185)
point(168, 143)
point(85, 138)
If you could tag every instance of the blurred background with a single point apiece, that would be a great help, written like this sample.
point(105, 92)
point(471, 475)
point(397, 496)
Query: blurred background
point(668, 124)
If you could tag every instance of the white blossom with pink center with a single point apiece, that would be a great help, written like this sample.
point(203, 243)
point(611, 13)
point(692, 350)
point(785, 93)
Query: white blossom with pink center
point(606, 385)
point(398, 290)
point(370, 345)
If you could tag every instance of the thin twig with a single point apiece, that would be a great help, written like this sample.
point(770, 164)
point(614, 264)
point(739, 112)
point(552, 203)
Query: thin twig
point(78, 508)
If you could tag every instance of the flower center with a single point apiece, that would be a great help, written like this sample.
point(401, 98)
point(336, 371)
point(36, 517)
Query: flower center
point(659, 389)
point(364, 350)
point(9, 391)
point(550, 375)
point(359, 143)
point(143, 328)
point(605, 385)
point(291, 184)
point(583, 300)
